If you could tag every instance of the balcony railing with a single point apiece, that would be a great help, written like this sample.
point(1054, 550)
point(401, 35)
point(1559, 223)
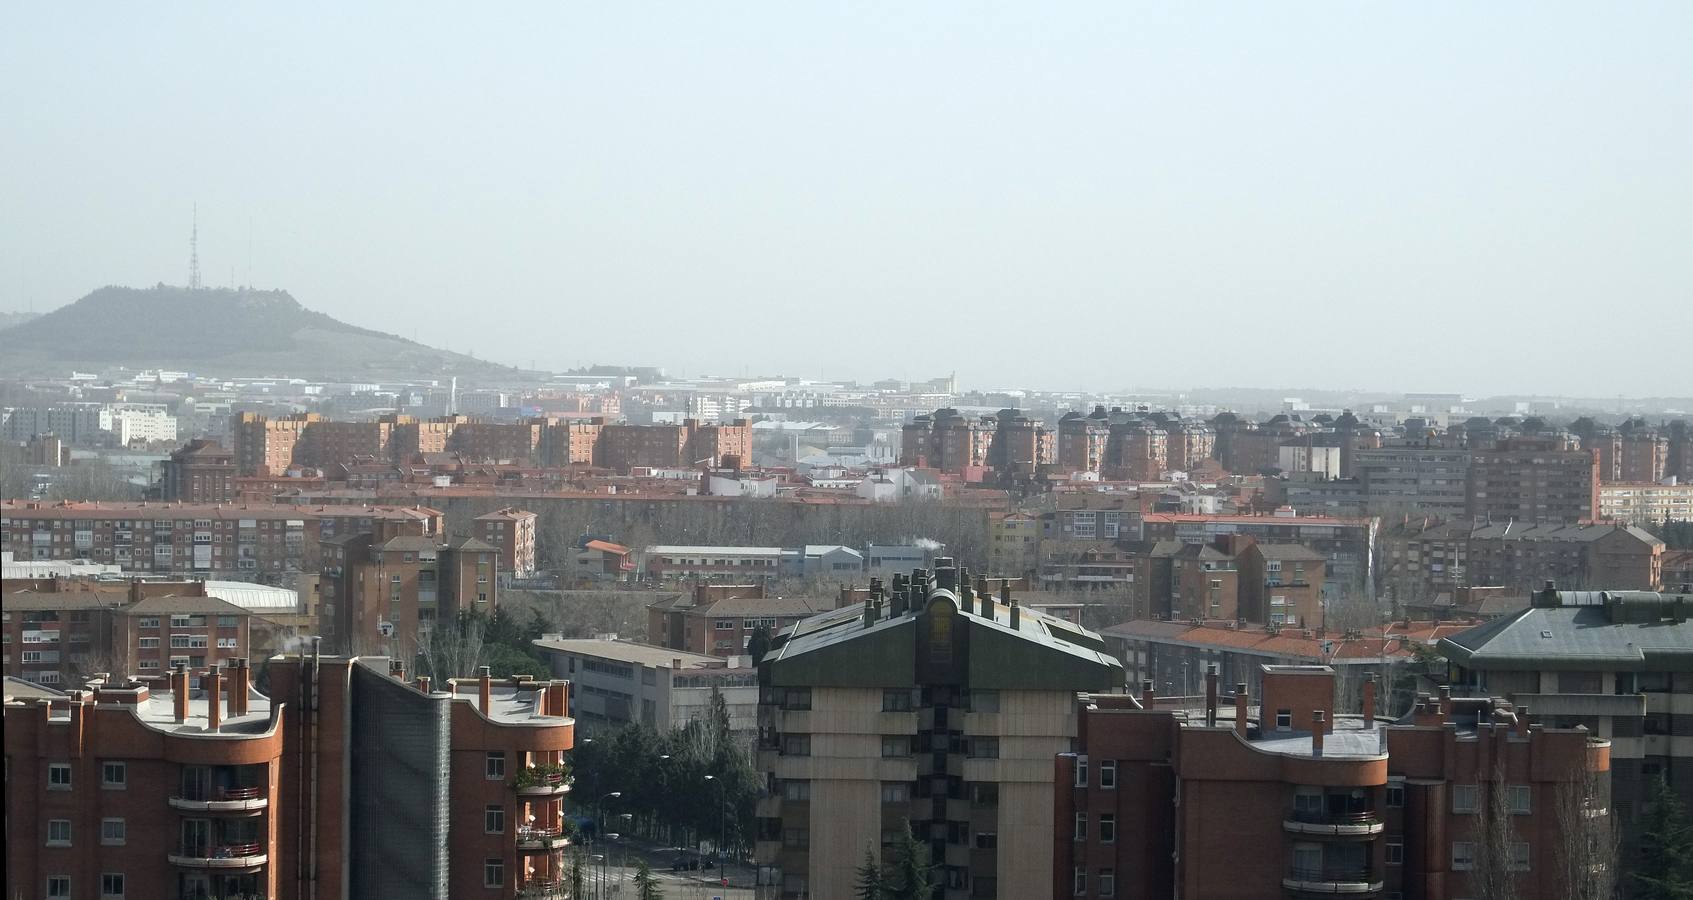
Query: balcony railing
point(1332, 880)
point(1322, 817)
point(530, 837)
point(228, 799)
point(219, 856)
point(543, 890)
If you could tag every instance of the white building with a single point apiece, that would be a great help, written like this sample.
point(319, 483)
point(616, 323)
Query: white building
point(614, 681)
point(1324, 461)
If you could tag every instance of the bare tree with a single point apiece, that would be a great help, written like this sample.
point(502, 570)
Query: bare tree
point(453, 649)
point(1588, 840)
point(1494, 875)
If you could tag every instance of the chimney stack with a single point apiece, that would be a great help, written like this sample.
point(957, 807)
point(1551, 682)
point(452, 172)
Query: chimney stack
point(485, 689)
point(1317, 730)
point(1370, 701)
point(239, 685)
point(179, 691)
point(1445, 703)
point(1241, 701)
point(1148, 694)
point(1211, 695)
point(1520, 726)
point(557, 698)
point(214, 699)
point(397, 669)
point(1016, 616)
point(423, 684)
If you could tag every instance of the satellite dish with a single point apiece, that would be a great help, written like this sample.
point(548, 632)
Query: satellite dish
point(386, 629)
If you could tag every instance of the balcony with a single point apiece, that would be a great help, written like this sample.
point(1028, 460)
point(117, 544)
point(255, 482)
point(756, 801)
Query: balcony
point(1349, 824)
point(1583, 705)
point(236, 800)
point(1331, 881)
point(531, 839)
point(543, 890)
point(542, 781)
point(220, 856)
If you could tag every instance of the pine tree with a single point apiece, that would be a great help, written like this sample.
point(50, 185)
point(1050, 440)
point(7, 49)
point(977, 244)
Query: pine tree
point(871, 884)
point(646, 886)
point(1666, 849)
point(912, 877)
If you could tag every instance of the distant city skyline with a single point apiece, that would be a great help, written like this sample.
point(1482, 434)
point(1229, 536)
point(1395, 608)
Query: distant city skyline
point(1493, 202)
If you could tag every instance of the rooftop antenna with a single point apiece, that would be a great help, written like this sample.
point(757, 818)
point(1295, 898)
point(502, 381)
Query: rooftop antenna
point(194, 252)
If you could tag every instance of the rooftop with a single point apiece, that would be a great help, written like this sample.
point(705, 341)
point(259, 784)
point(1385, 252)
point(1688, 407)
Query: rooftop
point(1588, 630)
point(632, 652)
point(682, 549)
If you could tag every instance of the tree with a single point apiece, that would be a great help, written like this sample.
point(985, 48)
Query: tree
point(870, 884)
point(646, 886)
point(504, 661)
point(912, 875)
point(758, 644)
point(453, 649)
point(1494, 875)
point(1587, 838)
point(1666, 848)
point(573, 877)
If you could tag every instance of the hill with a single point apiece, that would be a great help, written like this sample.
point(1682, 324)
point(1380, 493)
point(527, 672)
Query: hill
point(9, 319)
point(217, 332)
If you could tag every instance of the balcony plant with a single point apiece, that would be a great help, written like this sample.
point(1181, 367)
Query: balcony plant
point(543, 775)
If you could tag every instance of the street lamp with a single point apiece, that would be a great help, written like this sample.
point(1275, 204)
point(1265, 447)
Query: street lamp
point(722, 804)
point(600, 835)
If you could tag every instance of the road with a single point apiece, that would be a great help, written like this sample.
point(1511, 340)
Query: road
point(619, 875)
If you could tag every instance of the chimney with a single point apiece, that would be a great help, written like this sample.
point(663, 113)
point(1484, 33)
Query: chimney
point(485, 689)
point(1211, 695)
point(1317, 729)
point(1148, 694)
point(179, 691)
point(397, 669)
point(238, 686)
point(1445, 703)
point(214, 699)
point(676, 662)
point(1520, 726)
point(557, 698)
point(1241, 701)
point(966, 595)
point(423, 684)
point(1016, 616)
point(1370, 701)
point(869, 615)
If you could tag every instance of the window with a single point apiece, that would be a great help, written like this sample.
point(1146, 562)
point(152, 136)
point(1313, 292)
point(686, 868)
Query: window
point(796, 838)
point(111, 886)
point(1464, 798)
point(1079, 882)
point(984, 701)
point(1519, 856)
point(1284, 719)
point(1520, 798)
point(896, 792)
point(796, 698)
point(1107, 882)
point(229, 621)
point(1081, 831)
point(1463, 856)
point(496, 765)
point(796, 745)
point(1107, 828)
point(1395, 852)
point(494, 820)
point(1108, 774)
point(149, 643)
point(896, 745)
point(493, 873)
point(58, 832)
point(58, 776)
point(724, 624)
point(1081, 771)
point(987, 840)
point(114, 776)
point(112, 832)
point(1396, 794)
point(58, 887)
point(149, 622)
point(896, 700)
point(799, 790)
point(984, 748)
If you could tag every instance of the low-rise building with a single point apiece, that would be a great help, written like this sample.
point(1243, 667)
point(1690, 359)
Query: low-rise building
point(615, 681)
point(512, 532)
point(721, 619)
point(1646, 502)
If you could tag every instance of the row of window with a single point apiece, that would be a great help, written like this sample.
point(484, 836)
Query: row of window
point(113, 832)
point(111, 886)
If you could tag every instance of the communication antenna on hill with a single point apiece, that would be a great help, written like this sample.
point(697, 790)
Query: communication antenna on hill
point(194, 252)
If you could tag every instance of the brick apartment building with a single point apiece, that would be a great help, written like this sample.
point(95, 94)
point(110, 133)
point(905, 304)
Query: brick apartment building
point(512, 532)
point(720, 619)
point(949, 442)
point(1619, 663)
point(57, 629)
point(344, 783)
point(691, 444)
point(202, 471)
point(1281, 584)
point(1297, 801)
point(1347, 544)
point(1534, 479)
point(1522, 557)
point(1082, 440)
point(931, 705)
point(238, 541)
point(384, 592)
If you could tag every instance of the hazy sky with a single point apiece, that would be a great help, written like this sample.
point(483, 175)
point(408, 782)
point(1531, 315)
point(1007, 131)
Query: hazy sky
point(1490, 197)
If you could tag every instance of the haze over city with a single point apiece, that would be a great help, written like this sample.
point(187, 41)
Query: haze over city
point(1106, 196)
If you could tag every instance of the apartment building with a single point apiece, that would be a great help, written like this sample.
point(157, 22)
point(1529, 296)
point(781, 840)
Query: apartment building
point(1522, 557)
point(615, 681)
point(1136, 449)
point(667, 562)
point(1417, 477)
point(344, 783)
point(1643, 454)
point(1646, 503)
point(1533, 479)
point(238, 541)
point(385, 592)
point(200, 472)
point(1082, 440)
point(948, 442)
point(264, 445)
point(720, 619)
point(512, 532)
point(1347, 544)
point(1619, 663)
point(1422, 558)
point(692, 444)
point(58, 631)
point(1298, 801)
point(1013, 545)
point(1281, 584)
point(925, 704)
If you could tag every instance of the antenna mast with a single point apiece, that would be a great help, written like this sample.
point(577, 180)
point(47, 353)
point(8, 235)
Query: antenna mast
point(194, 252)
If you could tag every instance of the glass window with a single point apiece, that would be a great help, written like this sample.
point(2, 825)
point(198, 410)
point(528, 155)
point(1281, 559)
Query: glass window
point(1284, 719)
point(1080, 833)
point(58, 832)
point(894, 792)
point(494, 820)
point(1463, 856)
point(111, 886)
point(1519, 856)
point(112, 832)
point(496, 765)
point(1464, 798)
point(58, 776)
point(1396, 794)
point(1079, 882)
point(1081, 771)
point(114, 775)
point(987, 840)
point(897, 700)
point(1108, 774)
point(1107, 882)
point(58, 887)
point(896, 745)
point(799, 790)
point(1520, 798)
point(493, 873)
point(1395, 853)
point(1107, 828)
